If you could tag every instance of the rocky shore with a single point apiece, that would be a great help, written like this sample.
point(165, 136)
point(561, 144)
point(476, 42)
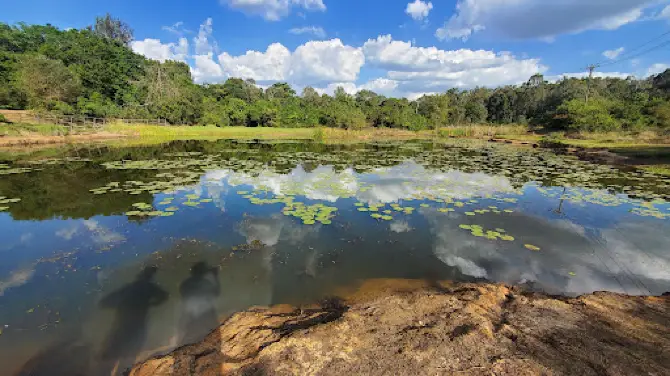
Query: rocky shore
point(419, 328)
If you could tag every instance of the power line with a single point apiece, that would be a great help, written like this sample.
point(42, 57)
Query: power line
point(644, 52)
point(625, 54)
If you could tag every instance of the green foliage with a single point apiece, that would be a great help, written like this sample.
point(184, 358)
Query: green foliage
point(3, 119)
point(593, 116)
point(113, 29)
point(46, 81)
point(93, 72)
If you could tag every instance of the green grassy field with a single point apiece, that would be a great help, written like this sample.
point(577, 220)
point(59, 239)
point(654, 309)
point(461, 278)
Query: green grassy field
point(21, 129)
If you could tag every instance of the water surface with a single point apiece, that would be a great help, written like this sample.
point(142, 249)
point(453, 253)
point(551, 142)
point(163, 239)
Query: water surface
point(109, 255)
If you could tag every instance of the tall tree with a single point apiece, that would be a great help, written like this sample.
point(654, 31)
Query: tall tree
point(47, 81)
point(113, 28)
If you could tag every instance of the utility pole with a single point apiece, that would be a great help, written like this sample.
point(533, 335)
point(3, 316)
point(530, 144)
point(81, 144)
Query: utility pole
point(591, 68)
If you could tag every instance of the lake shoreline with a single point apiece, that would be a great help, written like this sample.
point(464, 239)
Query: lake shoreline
point(431, 327)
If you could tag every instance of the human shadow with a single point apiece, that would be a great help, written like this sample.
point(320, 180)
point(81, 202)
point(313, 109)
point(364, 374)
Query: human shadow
point(198, 295)
point(69, 356)
point(129, 329)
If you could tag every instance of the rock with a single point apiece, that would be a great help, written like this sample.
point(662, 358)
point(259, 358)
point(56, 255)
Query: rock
point(405, 328)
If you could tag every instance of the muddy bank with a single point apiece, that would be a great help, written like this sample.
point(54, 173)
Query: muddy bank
point(407, 328)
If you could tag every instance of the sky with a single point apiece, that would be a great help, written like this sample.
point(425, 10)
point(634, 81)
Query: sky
point(397, 48)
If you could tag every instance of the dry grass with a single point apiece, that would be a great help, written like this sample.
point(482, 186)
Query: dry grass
point(484, 130)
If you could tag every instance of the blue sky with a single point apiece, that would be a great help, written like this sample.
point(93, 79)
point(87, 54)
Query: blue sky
point(401, 48)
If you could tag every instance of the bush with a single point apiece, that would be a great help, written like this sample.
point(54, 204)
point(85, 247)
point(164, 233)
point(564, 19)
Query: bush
point(593, 116)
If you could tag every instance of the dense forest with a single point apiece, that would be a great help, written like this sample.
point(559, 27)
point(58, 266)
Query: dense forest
point(93, 72)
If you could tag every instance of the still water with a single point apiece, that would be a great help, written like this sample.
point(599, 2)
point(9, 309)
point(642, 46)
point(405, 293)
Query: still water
point(110, 255)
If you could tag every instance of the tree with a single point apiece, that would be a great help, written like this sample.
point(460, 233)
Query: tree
point(310, 96)
point(169, 93)
point(113, 28)
point(280, 91)
point(578, 115)
point(47, 81)
point(435, 108)
point(238, 88)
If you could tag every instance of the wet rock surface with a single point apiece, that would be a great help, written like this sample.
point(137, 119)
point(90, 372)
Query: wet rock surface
point(409, 328)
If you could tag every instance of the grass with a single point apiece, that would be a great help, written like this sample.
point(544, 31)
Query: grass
point(511, 131)
point(611, 140)
point(167, 133)
point(21, 129)
point(155, 134)
point(658, 169)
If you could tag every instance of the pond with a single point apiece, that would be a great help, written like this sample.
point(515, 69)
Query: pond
point(108, 255)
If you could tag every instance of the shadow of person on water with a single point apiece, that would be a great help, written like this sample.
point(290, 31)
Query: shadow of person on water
point(69, 356)
point(129, 329)
point(198, 295)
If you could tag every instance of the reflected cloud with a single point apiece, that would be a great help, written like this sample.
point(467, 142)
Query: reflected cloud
point(101, 234)
point(390, 184)
point(573, 259)
point(273, 229)
point(400, 226)
point(67, 233)
point(16, 279)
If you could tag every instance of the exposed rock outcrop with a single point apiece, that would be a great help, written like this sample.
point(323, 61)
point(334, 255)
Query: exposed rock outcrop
point(407, 328)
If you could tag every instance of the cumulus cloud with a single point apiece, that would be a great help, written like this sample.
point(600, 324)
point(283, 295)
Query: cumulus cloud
point(156, 50)
point(274, 10)
point(613, 54)
point(429, 69)
point(419, 10)
point(313, 30)
point(533, 19)
point(313, 63)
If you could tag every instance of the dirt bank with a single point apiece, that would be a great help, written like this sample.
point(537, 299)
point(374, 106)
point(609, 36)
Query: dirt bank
point(398, 328)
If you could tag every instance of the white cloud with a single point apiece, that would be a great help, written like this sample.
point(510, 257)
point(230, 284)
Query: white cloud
point(613, 54)
point(326, 61)
point(271, 65)
point(156, 50)
point(419, 10)
point(204, 42)
point(429, 69)
point(205, 68)
point(312, 63)
point(664, 14)
point(656, 69)
point(537, 19)
point(314, 30)
point(274, 10)
point(176, 28)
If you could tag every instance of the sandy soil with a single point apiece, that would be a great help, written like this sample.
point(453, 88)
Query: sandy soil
point(409, 328)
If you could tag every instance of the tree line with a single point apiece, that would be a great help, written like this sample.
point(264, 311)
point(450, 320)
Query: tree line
point(93, 72)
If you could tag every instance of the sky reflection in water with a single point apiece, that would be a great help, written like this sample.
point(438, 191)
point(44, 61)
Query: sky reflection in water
point(223, 226)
